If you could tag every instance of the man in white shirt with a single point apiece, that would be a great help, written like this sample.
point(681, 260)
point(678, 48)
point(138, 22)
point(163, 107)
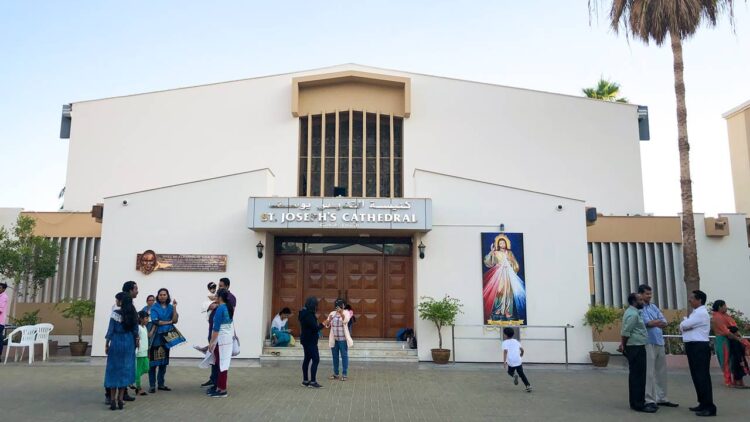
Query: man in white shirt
point(695, 331)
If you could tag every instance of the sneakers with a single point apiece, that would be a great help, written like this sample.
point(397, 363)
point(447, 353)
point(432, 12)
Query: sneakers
point(211, 390)
point(314, 384)
point(219, 395)
point(208, 383)
point(305, 383)
point(528, 389)
point(515, 379)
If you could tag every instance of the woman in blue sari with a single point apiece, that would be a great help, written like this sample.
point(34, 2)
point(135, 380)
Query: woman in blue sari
point(163, 317)
point(280, 334)
point(122, 340)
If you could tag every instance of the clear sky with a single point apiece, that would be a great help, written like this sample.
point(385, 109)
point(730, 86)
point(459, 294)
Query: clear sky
point(56, 52)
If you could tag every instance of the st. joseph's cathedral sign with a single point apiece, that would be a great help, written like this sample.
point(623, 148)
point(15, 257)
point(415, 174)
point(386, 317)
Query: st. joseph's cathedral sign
point(413, 214)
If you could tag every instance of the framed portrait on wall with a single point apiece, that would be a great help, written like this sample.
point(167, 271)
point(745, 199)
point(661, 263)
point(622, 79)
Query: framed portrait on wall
point(503, 279)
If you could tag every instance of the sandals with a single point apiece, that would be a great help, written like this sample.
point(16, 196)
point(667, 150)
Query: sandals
point(343, 378)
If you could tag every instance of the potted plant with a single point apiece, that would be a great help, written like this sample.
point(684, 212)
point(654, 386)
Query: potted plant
point(441, 312)
point(78, 310)
point(600, 318)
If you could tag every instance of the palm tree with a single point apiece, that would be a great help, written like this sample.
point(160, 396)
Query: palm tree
point(605, 90)
point(673, 21)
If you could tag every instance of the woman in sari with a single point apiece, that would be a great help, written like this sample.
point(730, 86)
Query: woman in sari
point(729, 345)
point(121, 342)
point(504, 292)
point(163, 317)
point(280, 334)
point(222, 334)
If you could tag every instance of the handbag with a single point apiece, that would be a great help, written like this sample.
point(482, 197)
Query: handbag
point(235, 345)
point(173, 337)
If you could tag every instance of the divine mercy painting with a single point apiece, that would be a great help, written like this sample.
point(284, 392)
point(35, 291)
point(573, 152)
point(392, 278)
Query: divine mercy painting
point(503, 280)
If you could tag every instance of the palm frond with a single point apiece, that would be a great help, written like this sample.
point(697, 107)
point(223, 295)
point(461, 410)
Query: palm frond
point(655, 20)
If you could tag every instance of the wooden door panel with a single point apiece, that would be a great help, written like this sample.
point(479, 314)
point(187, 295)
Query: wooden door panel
point(287, 287)
point(363, 283)
point(399, 305)
point(322, 279)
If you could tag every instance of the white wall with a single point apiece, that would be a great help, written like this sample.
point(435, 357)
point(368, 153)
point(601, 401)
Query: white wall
point(545, 142)
point(208, 217)
point(724, 262)
point(540, 141)
point(555, 258)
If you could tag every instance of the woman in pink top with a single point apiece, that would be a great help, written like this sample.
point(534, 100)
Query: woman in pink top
point(3, 313)
point(729, 345)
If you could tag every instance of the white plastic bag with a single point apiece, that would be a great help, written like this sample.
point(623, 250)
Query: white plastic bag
point(235, 345)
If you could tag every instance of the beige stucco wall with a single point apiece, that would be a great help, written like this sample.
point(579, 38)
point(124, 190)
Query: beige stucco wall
point(635, 229)
point(64, 224)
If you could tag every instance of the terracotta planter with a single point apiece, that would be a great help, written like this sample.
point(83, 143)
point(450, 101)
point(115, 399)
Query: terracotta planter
point(441, 356)
point(78, 348)
point(599, 359)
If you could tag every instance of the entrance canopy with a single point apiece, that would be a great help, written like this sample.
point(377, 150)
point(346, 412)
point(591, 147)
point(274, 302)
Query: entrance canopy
point(339, 213)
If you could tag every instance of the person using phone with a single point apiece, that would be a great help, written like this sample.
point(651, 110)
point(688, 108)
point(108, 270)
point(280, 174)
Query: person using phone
point(339, 339)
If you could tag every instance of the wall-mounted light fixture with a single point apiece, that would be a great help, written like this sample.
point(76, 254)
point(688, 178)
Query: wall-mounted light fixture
point(259, 247)
point(421, 249)
point(502, 227)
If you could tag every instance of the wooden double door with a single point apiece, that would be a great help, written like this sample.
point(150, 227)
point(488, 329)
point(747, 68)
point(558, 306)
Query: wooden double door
point(378, 287)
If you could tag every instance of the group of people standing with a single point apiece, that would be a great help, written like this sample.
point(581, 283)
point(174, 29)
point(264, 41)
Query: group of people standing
point(643, 345)
point(138, 343)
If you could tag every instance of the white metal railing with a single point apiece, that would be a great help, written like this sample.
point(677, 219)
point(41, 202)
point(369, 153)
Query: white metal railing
point(563, 328)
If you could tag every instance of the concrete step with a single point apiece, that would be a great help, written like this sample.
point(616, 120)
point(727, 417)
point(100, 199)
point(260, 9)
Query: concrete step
point(363, 350)
point(370, 344)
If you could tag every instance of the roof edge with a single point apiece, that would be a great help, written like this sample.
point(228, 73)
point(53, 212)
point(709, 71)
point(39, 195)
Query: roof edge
point(402, 72)
point(736, 110)
point(192, 182)
point(468, 179)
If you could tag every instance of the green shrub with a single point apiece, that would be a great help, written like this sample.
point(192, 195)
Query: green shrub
point(441, 312)
point(78, 310)
point(28, 318)
point(600, 318)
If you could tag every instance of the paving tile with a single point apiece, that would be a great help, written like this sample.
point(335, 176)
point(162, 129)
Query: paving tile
point(376, 391)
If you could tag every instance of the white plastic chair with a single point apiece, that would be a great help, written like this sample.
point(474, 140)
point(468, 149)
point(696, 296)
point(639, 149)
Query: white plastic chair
point(42, 337)
point(28, 336)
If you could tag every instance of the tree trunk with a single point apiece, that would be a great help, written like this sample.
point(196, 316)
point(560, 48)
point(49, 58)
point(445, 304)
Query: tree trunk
point(689, 251)
point(440, 336)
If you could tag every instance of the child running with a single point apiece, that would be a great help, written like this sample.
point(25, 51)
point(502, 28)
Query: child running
point(141, 353)
point(512, 352)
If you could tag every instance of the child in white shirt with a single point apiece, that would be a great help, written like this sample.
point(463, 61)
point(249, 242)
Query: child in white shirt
point(141, 353)
point(512, 352)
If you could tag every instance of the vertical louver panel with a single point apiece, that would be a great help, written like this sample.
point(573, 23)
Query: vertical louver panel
point(76, 276)
point(619, 268)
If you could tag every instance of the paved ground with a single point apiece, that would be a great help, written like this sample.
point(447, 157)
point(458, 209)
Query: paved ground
point(68, 390)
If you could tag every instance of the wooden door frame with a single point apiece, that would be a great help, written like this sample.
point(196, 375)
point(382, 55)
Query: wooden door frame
point(301, 295)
